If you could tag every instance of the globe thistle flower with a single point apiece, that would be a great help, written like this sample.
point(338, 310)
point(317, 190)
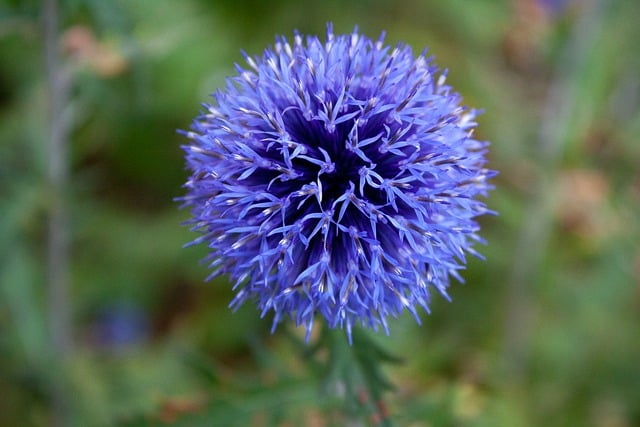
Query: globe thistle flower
point(336, 178)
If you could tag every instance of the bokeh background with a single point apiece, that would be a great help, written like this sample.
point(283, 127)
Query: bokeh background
point(544, 332)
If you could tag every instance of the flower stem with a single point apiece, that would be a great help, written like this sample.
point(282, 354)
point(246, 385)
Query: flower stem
point(58, 228)
point(557, 111)
point(355, 373)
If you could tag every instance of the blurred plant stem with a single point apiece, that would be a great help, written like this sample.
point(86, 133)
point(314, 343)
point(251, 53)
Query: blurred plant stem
point(59, 317)
point(354, 372)
point(557, 112)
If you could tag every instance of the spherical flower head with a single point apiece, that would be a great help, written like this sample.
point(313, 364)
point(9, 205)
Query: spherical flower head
point(336, 178)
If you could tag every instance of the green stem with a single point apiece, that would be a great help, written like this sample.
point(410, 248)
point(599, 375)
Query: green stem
point(557, 111)
point(355, 373)
point(58, 229)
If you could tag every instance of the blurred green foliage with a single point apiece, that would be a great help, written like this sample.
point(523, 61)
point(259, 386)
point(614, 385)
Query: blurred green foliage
point(546, 331)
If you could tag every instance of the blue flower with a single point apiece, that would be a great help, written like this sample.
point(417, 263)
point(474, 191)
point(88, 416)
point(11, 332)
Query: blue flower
point(337, 179)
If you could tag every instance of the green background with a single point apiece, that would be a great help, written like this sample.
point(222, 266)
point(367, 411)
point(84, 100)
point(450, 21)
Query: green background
point(544, 332)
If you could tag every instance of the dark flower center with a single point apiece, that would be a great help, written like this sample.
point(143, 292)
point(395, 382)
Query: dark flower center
point(336, 183)
point(335, 166)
